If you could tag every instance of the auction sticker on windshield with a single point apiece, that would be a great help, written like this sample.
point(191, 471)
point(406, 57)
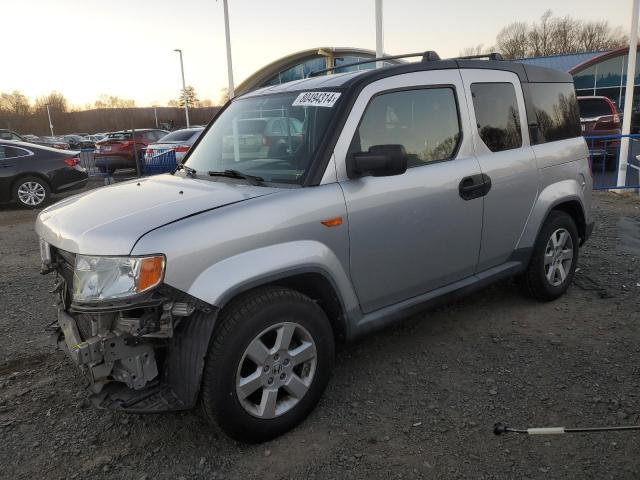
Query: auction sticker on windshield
point(316, 99)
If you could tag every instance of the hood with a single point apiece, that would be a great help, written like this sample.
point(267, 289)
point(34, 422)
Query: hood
point(110, 220)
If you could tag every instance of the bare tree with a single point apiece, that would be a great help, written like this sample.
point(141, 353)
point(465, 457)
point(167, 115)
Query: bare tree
point(512, 40)
point(554, 36)
point(540, 35)
point(595, 36)
point(565, 34)
point(55, 100)
point(15, 102)
point(477, 50)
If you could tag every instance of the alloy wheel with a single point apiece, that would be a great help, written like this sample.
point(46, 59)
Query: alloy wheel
point(276, 370)
point(558, 257)
point(31, 193)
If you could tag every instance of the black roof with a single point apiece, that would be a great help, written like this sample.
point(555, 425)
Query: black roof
point(526, 73)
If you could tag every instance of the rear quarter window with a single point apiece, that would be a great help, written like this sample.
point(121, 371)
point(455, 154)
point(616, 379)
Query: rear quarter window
point(553, 113)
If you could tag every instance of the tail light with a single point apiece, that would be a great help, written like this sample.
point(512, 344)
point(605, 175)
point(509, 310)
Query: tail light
point(71, 162)
point(126, 143)
point(266, 141)
point(616, 118)
point(182, 149)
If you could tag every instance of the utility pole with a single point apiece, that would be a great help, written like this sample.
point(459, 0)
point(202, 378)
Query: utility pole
point(229, 62)
point(155, 114)
point(184, 88)
point(379, 33)
point(50, 124)
point(628, 96)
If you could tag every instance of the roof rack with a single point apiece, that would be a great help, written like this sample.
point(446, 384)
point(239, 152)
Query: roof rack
point(428, 56)
point(489, 56)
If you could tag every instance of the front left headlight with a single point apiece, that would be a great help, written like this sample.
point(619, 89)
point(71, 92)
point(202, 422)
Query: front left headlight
point(96, 279)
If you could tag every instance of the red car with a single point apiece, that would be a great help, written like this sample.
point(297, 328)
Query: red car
point(599, 116)
point(118, 149)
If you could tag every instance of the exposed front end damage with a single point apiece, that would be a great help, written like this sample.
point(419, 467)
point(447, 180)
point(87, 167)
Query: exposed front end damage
point(143, 355)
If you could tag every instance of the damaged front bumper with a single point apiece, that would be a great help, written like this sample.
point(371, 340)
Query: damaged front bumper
point(147, 357)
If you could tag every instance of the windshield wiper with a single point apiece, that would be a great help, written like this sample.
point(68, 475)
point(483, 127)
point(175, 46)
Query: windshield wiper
point(252, 179)
point(189, 170)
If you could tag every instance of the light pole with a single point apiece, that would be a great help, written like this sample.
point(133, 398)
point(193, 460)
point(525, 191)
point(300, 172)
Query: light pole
point(628, 96)
point(379, 33)
point(184, 88)
point(50, 124)
point(229, 63)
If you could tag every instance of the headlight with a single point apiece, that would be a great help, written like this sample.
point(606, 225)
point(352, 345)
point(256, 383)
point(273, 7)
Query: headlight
point(109, 278)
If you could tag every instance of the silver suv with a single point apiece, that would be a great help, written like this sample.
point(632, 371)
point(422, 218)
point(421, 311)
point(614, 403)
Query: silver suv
point(230, 281)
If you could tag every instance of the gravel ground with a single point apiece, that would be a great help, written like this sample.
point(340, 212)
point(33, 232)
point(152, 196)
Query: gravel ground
point(415, 401)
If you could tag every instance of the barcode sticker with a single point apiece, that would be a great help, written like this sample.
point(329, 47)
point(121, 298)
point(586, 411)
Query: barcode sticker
point(316, 99)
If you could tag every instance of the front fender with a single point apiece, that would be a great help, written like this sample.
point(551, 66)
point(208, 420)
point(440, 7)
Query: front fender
point(222, 281)
point(552, 196)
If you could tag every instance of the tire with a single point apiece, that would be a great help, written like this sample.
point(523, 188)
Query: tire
point(551, 269)
point(264, 315)
point(31, 192)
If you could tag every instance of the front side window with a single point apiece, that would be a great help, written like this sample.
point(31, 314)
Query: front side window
point(425, 122)
point(556, 113)
point(497, 115)
point(243, 137)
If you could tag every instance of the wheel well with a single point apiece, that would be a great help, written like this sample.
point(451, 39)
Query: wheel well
point(317, 287)
point(574, 210)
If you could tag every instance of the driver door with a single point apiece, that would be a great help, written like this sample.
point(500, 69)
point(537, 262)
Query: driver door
point(411, 233)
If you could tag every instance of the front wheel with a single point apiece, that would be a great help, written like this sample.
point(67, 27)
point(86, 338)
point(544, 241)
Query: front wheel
point(554, 259)
point(267, 365)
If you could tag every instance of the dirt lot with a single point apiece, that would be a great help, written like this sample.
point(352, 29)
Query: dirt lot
point(415, 401)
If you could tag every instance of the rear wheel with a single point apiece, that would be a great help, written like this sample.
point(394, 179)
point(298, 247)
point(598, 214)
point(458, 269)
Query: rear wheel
point(268, 364)
point(554, 259)
point(31, 192)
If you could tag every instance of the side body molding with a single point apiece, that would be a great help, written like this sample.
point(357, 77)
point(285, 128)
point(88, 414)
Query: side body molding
point(222, 281)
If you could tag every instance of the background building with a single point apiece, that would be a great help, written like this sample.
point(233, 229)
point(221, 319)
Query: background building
point(298, 65)
point(597, 73)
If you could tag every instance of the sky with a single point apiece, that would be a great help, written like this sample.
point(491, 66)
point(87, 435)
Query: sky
point(85, 48)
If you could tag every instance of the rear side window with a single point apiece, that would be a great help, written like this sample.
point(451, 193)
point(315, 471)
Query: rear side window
point(594, 107)
point(497, 115)
point(555, 112)
point(12, 152)
point(424, 121)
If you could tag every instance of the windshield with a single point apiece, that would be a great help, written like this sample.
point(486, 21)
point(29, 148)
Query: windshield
point(274, 137)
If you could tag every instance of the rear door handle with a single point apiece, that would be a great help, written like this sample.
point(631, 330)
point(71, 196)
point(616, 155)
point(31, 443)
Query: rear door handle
point(475, 186)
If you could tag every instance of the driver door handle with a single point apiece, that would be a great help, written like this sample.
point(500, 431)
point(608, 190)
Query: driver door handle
point(474, 186)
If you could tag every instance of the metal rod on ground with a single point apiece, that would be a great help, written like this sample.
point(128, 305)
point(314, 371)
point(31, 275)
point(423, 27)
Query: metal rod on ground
point(628, 96)
point(379, 33)
point(50, 124)
point(501, 429)
point(228, 39)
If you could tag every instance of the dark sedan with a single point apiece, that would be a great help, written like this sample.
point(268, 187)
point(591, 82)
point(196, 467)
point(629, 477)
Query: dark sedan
point(30, 174)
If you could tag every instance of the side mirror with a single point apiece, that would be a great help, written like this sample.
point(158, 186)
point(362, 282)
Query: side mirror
point(379, 161)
